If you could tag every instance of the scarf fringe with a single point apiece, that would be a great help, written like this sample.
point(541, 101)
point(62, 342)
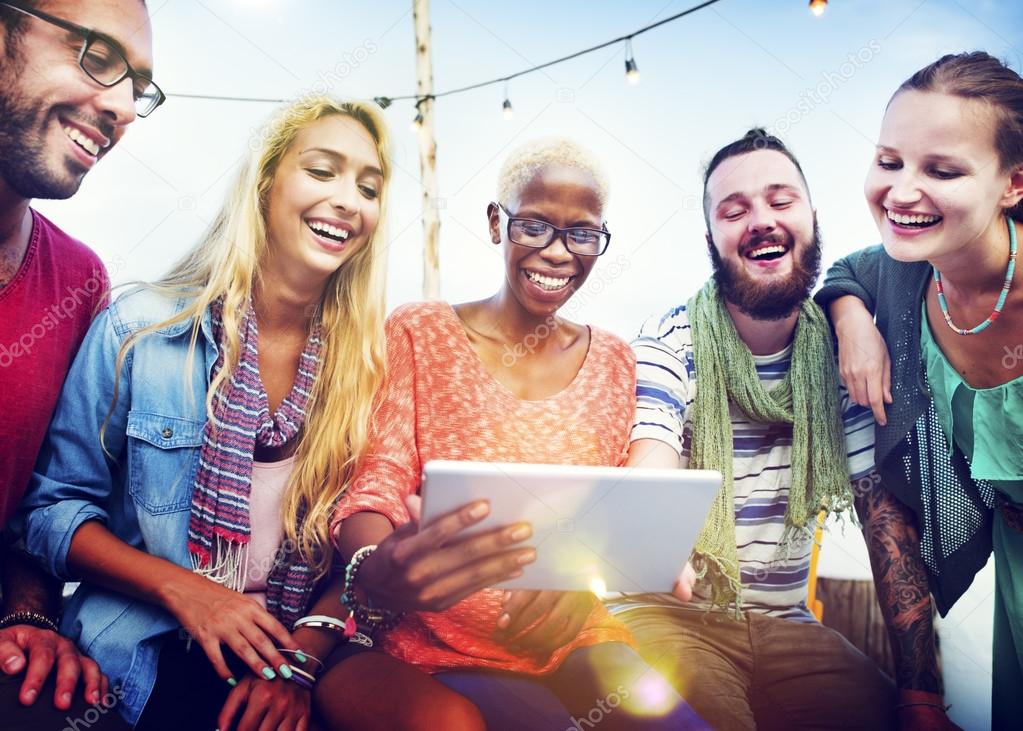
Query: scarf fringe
point(227, 564)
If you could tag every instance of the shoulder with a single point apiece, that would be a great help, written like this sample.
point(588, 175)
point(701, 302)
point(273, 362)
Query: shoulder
point(610, 345)
point(417, 314)
point(143, 307)
point(76, 259)
point(670, 330)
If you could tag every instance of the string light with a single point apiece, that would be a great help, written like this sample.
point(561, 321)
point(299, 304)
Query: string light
point(506, 108)
point(631, 69)
point(418, 121)
point(817, 7)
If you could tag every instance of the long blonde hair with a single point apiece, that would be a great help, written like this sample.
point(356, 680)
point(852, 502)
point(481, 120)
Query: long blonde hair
point(225, 263)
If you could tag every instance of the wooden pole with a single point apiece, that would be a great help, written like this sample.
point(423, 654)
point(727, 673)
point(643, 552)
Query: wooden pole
point(427, 152)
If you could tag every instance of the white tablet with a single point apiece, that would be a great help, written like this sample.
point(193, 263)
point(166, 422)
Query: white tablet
point(594, 528)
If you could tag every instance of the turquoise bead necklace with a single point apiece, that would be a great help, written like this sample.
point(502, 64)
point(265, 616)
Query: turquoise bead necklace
point(1001, 298)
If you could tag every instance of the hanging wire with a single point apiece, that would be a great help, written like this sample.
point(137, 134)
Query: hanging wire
point(385, 101)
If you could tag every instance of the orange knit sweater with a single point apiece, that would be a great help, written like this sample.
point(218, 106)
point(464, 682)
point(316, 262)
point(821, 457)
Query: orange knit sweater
point(440, 402)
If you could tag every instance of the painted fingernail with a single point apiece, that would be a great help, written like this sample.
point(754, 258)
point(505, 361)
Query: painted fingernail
point(12, 664)
point(528, 557)
point(285, 671)
point(521, 533)
point(269, 673)
point(300, 656)
point(65, 698)
point(479, 510)
point(232, 682)
point(31, 695)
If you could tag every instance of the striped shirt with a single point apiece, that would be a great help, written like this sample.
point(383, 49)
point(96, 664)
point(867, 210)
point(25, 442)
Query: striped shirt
point(666, 388)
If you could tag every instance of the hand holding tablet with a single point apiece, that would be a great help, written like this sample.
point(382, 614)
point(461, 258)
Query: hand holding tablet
point(432, 567)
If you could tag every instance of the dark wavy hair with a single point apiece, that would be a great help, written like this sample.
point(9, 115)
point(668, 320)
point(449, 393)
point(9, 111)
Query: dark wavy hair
point(983, 77)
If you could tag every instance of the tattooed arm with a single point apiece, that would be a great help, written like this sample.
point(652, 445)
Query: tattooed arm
point(893, 542)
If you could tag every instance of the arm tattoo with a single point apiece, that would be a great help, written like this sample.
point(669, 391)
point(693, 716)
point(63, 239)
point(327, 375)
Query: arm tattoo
point(902, 590)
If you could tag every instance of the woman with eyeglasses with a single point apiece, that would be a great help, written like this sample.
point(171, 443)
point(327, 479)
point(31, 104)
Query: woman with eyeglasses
point(504, 379)
point(205, 431)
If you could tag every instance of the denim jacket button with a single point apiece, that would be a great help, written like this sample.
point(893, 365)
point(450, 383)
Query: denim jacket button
point(167, 433)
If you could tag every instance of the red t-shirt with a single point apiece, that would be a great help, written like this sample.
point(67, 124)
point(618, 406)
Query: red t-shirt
point(45, 311)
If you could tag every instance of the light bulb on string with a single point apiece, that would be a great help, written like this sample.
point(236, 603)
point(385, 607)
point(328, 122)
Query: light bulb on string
point(631, 69)
point(817, 7)
point(506, 108)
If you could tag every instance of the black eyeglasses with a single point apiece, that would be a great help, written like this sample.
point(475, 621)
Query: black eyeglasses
point(103, 62)
point(539, 235)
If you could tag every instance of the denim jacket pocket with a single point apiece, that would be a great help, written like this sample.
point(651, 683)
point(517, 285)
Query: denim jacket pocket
point(163, 455)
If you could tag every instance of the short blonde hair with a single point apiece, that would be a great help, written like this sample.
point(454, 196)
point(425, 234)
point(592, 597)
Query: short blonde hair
point(525, 162)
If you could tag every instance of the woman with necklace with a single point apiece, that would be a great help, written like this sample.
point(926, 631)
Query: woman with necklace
point(945, 190)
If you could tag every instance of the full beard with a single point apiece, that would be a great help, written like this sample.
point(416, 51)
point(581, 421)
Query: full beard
point(23, 164)
point(772, 300)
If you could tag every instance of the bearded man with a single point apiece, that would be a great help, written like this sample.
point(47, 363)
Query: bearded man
point(739, 642)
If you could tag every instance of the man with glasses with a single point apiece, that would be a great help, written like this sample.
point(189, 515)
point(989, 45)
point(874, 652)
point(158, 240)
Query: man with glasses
point(741, 379)
point(73, 76)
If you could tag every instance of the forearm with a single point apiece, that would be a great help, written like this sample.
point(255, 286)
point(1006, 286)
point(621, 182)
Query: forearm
point(98, 556)
point(26, 587)
point(893, 542)
point(362, 529)
point(848, 310)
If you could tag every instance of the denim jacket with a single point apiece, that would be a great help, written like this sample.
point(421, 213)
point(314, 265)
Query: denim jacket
point(143, 493)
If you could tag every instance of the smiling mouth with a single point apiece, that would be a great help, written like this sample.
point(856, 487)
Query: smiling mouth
point(85, 144)
point(916, 220)
point(550, 284)
point(338, 235)
point(767, 252)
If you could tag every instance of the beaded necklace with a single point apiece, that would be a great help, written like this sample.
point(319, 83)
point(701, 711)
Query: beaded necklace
point(1001, 298)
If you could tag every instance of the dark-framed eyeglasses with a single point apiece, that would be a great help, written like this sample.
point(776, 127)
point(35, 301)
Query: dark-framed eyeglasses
point(537, 234)
point(102, 60)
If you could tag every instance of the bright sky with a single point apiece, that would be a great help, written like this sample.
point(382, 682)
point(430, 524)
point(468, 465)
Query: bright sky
point(819, 83)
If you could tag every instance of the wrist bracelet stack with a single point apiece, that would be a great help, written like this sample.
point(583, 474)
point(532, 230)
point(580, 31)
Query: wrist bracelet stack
point(375, 619)
point(299, 674)
point(30, 618)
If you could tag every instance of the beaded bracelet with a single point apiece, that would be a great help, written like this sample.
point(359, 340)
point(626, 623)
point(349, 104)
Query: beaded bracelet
point(374, 618)
point(30, 618)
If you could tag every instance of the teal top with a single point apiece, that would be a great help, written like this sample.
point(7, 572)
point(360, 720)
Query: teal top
point(986, 423)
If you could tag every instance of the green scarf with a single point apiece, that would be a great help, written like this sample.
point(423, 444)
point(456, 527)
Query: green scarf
point(807, 398)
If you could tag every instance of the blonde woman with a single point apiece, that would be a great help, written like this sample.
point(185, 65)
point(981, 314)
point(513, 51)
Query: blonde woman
point(203, 409)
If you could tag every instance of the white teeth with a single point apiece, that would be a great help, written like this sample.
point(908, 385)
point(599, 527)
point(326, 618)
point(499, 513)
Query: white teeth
point(546, 282)
point(767, 250)
point(916, 218)
point(84, 142)
point(334, 231)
